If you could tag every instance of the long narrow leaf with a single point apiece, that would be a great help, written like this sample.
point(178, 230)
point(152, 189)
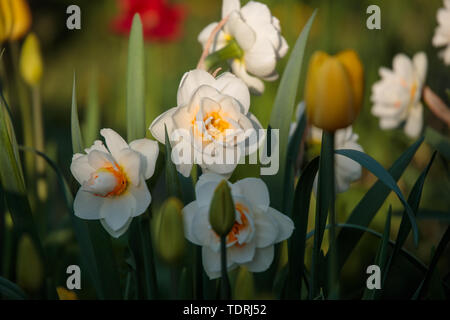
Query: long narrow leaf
point(283, 109)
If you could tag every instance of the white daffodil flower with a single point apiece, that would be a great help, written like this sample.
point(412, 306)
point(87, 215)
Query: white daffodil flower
point(257, 33)
point(396, 97)
point(112, 179)
point(346, 170)
point(442, 33)
point(211, 125)
point(256, 229)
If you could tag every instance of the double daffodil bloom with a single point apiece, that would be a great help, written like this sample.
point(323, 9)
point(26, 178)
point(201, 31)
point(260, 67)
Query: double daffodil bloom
point(442, 32)
point(112, 179)
point(256, 229)
point(211, 125)
point(258, 36)
point(396, 97)
point(334, 89)
point(15, 19)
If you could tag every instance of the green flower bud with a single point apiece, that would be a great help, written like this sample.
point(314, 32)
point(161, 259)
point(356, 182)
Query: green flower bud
point(31, 64)
point(171, 242)
point(222, 211)
point(245, 286)
point(29, 270)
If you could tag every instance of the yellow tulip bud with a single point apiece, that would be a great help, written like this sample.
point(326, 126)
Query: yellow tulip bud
point(64, 294)
point(15, 19)
point(171, 242)
point(31, 66)
point(334, 89)
point(222, 210)
point(29, 270)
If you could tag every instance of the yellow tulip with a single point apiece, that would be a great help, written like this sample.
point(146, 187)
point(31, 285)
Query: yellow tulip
point(334, 89)
point(31, 65)
point(15, 19)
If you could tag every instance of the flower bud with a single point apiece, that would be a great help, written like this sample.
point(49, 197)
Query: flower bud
point(31, 66)
point(170, 242)
point(15, 19)
point(222, 213)
point(29, 270)
point(244, 288)
point(334, 89)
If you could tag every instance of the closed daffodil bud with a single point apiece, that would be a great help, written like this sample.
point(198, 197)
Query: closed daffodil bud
point(15, 19)
point(171, 241)
point(222, 210)
point(31, 65)
point(29, 270)
point(334, 89)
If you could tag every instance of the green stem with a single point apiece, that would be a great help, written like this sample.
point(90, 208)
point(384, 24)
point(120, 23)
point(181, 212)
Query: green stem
point(225, 290)
point(230, 51)
point(198, 275)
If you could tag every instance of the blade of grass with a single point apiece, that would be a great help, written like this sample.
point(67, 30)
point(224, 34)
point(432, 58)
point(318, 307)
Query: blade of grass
point(405, 226)
point(381, 258)
point(283, 109)
point(369, 205)
point(297, 243)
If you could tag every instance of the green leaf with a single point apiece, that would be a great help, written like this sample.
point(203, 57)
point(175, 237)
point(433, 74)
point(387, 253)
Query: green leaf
point(77, 139)
point(10, 290)
point(136, 83)
point(423, 287)
point(405, 226)
point(283, 109)
point(297, 242)
point(92, 124)
point(94, 242)
point(373, 166)
point(381, 257)
point(369, 205)
point(291, 162)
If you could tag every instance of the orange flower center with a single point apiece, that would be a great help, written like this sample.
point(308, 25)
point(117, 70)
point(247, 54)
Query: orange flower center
point(232, 236)
point(121, 180)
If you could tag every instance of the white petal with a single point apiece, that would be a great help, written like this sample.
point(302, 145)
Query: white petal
point(241, 31)
point(241, 254)
point(117, 211)
point(98, 145)
point(255, 191)
point(130, 161)
point(142, 196)
point(283, 48)
point(414, 123)
point(402, 66)
point(87, 206)
point(255, 85)
point(262, 260)
point(256, 13)
point(229, 6)
point(420, 64)
point(149, 151)
point(114, 141)
point(157, 128)
point(80, 168)
point(261, 59)
point(204, 188)
point(206, 32)
point(212, 265)
point(190, 82)
point(116, 233)
point(189, 212)
point(285, 224)
point(266, 229)
point(201, 229)
point(229, 84)
point(99, 159)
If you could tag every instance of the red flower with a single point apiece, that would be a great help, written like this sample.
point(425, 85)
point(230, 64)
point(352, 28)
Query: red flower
point(160, 20)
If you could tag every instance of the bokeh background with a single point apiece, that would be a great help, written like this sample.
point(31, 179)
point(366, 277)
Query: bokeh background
point(98, 55)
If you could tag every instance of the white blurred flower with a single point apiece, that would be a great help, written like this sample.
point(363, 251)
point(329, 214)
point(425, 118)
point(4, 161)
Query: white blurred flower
point(257, 33)
point(346, 170)
point(442, 33)
point(112, 179)
point(396, 97)
point(214, 114)
point(256, 229)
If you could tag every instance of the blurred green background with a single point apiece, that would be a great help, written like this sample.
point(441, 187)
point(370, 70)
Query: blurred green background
point(95, 52)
